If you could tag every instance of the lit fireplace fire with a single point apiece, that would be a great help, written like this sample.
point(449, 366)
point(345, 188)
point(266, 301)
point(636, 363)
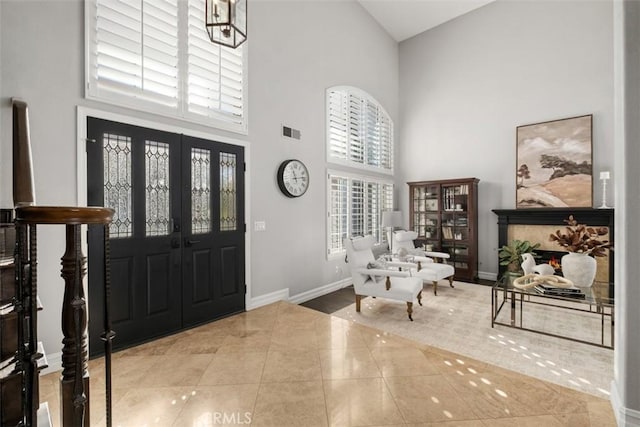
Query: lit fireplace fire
point(553, 262)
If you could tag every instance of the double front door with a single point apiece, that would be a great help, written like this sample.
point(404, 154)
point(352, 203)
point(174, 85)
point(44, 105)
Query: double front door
point(177, 238)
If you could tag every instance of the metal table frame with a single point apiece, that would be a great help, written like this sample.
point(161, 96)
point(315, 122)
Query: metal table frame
point(516, 299)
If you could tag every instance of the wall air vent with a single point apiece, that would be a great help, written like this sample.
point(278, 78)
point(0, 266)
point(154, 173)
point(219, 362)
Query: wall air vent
point(290, 132)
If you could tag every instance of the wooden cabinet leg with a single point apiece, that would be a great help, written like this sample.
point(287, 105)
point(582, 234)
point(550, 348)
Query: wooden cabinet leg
point(358, 299)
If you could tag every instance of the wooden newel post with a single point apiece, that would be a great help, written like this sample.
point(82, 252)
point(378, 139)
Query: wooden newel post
point(74, 384)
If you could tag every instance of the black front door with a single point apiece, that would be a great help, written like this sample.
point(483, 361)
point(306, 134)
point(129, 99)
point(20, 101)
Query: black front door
point(213, 230)
point(177, 240)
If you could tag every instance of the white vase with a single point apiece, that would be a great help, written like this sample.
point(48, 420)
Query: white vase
point(579, 268)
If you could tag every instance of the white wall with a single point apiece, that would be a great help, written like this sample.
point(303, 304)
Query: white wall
point(293, 58)
point(626, 383)
point(466, 85)
point(45, 71)
point(298, 50)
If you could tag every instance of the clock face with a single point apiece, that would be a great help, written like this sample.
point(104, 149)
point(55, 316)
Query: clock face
point(293, 178)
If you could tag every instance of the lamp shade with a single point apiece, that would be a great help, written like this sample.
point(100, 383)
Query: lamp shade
point(226, 21)
point(391, 218)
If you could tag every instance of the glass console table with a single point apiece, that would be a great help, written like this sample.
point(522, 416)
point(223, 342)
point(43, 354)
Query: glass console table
point(509, 304)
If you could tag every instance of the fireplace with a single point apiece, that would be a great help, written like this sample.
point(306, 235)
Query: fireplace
point(537, 224)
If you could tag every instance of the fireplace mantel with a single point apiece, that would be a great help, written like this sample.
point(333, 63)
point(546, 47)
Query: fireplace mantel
point(556, 216)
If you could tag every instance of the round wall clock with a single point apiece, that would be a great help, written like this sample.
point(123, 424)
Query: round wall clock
point(293, 178)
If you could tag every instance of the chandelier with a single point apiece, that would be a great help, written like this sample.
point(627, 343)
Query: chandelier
point(226, 21)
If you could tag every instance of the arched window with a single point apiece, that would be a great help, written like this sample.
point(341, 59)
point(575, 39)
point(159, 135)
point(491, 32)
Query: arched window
point(359, 130)
point(359, 135)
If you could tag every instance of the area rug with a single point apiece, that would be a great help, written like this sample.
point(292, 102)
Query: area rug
point(459, 320)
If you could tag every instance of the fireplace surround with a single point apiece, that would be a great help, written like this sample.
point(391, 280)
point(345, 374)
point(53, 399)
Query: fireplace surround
point(507, 218)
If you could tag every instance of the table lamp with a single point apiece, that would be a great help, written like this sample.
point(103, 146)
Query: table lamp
point(604, 176)
point(390, 220)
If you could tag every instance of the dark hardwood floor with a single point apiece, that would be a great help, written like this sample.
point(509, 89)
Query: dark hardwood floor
point(332, 302)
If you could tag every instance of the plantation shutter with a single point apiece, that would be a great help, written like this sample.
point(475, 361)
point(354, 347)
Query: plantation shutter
point(359, 131)
point(372, 133)
point(372, 207)
point(355, 207)
point(214, 73)
point(386, 204)
point(338, 124)
point(156, 55)
point(338, 213)
point(136, 50)
point(386, 136)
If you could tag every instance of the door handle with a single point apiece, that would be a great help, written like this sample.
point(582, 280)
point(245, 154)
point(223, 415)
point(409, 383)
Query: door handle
point(189, 242)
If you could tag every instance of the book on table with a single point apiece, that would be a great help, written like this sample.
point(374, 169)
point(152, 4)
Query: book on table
point(558, 291)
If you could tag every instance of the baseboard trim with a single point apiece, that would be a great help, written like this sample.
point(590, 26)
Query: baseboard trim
point(256, 302)
point(624, 416)
point(485, 275)
point(318, 292)
point(54, 361)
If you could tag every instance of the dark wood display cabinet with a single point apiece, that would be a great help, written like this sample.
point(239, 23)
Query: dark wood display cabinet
point(444, 213)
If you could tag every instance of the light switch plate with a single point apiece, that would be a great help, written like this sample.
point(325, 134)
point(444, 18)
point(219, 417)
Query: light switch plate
point(260, 226)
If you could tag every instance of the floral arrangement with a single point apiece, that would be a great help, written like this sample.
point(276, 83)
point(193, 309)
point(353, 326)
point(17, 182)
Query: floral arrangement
point(581, 239)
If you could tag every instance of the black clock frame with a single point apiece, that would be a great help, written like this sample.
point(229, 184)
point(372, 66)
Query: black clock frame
point(283, 187)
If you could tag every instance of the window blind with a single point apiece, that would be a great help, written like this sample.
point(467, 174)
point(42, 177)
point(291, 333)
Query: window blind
point(214, 73)
point(355, 209)
point(338, 213)
point(359, 131)
point(156, 55)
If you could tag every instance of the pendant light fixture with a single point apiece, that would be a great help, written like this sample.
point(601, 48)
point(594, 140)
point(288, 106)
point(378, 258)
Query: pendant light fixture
point(226, 21)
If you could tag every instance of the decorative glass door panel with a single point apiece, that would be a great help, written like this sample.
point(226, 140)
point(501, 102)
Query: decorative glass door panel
point(117, 181)
point(228, 192)
point(200, 191)
point(157, 188)
point(177, 247)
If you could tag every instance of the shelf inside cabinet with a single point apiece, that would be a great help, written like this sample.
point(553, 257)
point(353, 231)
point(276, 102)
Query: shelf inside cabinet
point(42, 360)
point(7, 366)
point(9, 345)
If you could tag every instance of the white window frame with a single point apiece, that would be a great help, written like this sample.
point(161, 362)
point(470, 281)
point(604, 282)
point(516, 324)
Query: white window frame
point(352, 170)
point(181, 112)
point(347, 162)
point(350, 177)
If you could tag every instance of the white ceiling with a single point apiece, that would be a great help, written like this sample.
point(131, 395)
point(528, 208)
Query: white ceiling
point(405, 18)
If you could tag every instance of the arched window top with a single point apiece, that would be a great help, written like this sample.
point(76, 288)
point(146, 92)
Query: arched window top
point(359, 130)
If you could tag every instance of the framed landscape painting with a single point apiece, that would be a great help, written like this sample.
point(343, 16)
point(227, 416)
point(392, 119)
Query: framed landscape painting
point(554, 164)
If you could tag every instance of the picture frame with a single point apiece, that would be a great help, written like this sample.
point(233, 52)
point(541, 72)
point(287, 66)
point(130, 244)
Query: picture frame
point(554, 163)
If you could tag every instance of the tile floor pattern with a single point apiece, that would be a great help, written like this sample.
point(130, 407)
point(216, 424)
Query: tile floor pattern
point(286, 365)
point(459, 320)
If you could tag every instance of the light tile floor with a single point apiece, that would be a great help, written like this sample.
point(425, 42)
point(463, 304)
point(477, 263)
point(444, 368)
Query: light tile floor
point(286, 365)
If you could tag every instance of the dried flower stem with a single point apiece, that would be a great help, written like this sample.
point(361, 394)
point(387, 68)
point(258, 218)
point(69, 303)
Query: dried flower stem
point(579, 238)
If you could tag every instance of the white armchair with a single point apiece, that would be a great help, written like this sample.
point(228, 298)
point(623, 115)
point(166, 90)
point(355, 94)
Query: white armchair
point(432, 266)
point(380, 282)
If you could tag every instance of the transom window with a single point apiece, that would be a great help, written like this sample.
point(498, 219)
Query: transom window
point(155, 55)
